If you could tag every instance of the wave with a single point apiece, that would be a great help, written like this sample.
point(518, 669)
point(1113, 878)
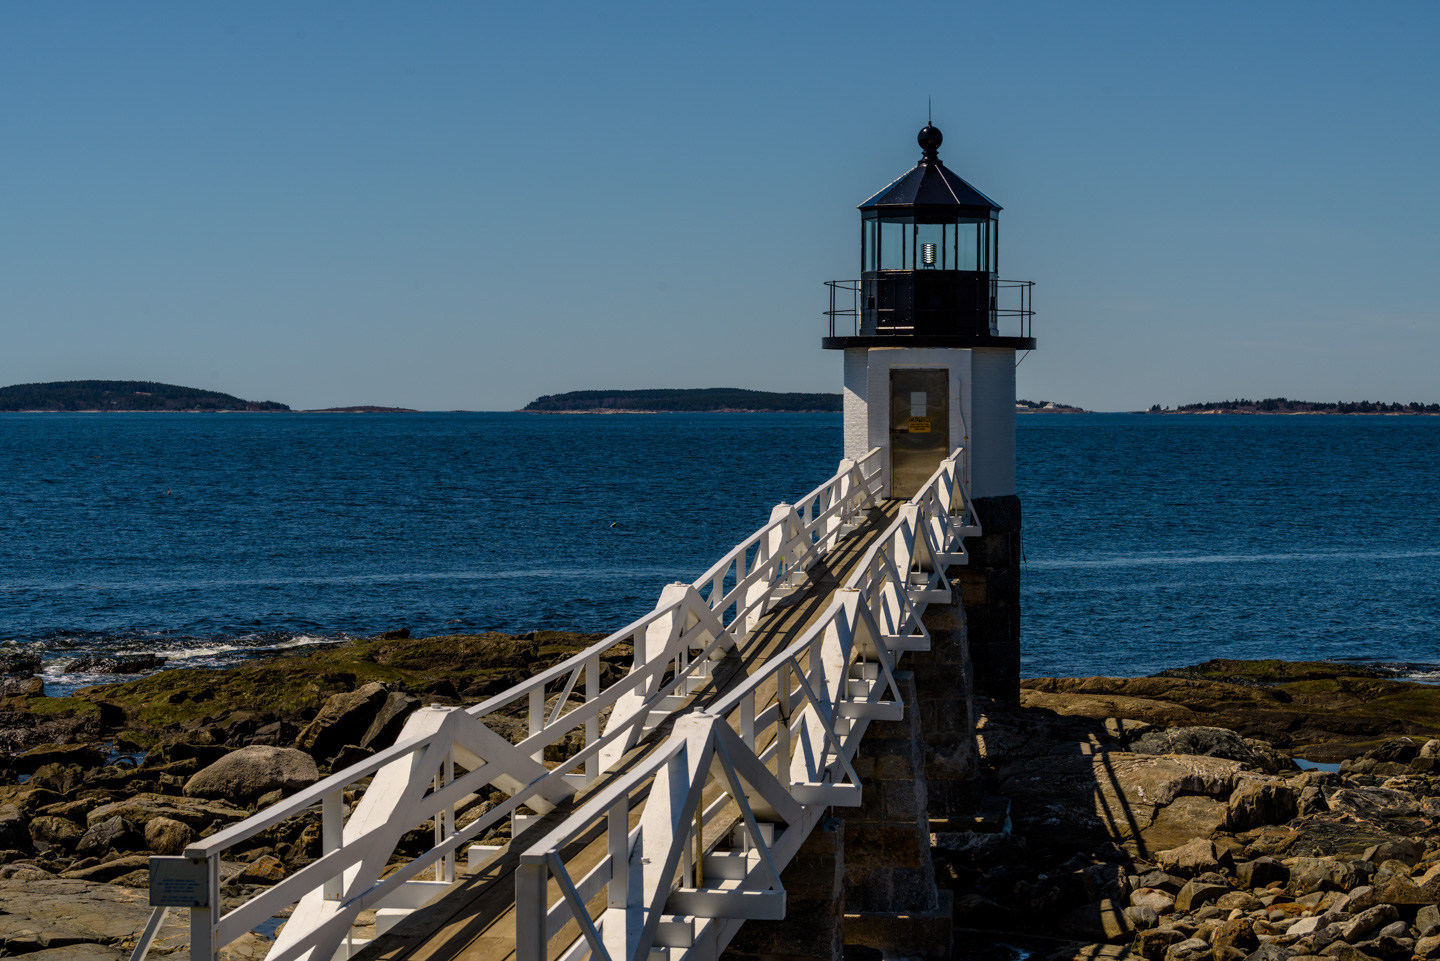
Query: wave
point(1168, 560)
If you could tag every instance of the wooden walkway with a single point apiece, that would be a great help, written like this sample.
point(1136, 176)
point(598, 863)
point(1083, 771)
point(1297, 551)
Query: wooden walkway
point(475, 919)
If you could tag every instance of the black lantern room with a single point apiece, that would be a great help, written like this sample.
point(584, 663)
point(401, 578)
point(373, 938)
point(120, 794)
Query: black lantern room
point(929, 257)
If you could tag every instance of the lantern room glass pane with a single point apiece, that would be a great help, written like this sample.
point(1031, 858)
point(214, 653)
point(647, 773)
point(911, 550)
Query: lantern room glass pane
point(869, 244)
point(895, 241)
point(933, 234)
point(968, 245)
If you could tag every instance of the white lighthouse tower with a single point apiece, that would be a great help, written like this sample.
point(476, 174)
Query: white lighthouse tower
point(930, 334)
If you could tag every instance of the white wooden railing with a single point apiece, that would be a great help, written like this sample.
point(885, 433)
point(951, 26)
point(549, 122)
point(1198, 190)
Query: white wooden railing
point(700, 863)
point(445, 756)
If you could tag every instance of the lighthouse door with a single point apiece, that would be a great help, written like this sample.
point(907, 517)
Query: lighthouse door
point(919, 427)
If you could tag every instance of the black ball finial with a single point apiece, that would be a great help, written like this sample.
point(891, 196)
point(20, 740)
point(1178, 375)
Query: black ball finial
point(930, 139)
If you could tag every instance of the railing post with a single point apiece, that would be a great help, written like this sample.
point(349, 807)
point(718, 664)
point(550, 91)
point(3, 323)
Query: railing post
point(592, 726)
point(531, 908)
point(203, 920)
point(537, 718)
point(332, 836)
point(617, 828)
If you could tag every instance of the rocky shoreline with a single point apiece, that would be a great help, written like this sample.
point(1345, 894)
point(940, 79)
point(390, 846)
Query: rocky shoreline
point(1162, 817)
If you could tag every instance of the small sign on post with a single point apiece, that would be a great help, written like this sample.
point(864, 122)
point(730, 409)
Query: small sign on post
point(179, 883)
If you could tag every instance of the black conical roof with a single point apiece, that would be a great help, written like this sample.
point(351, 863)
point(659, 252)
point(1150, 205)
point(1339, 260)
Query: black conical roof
point(930, 183)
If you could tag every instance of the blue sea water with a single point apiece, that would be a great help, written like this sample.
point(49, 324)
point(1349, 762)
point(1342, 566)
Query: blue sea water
point(1150, 541)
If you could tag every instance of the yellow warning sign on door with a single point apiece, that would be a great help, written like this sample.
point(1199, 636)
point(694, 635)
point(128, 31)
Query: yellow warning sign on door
point(919, 425)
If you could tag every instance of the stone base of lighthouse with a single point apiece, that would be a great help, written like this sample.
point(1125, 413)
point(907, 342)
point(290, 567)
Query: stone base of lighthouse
point(989, 587)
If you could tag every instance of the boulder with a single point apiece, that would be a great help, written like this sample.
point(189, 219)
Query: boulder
point(86, 755)
point(1161, 902)
point(142, 808)
point(167, 836)
point(388, 721)
point(1261, 872)
point(1406, 850)
point(244, 775)
point(109, 870)
point(344, 719)
point(1098, 921)
point(48, 832)
point(1197, 894)
point(1237, 935)
point(1238, 900)
point(1188, 860)
point(1396, 889)
point(1152, 944)
point(1427, 921)
point(1319, 874)
point(1373, 802)
point(22, 687)
point(263, 870)
point(1192, 949)
point(14, 829)
point(1205, 741)
point(115, 664)
point(1270, 952)
point(1428, 947)
point(1184, 819)
point(110, 834)
point(1362, 925)
point(1141, 917)
point(1255, 803)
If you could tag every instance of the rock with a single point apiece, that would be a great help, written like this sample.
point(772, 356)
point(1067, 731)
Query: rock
point(22, 687)
point(349, 756)
point(1305, 926)
point(1236, 934)
point(60, 778)
point(1238, 901)
point(244, 775)
point(1397, 750)
point(1396, 889)
point(1207, 741)
point(1395, 929)
point(975, 911)
point(1408, 851)
point(115, 664)
point(142, 808)
point(1152, 944)
point(1359, 927)
point(1261, 872)
point(1098, 921)
point(1373, 802)
point(16, 664)
point(47, 832)
point(1311, 800)
point(167, 836)
point(1141, 917)
point(86, 755)
point(1319, 874)
point(1340, 951)
point(1161, 902)
point(1270, 952)
point(1164, 882)
point(343, 720)
point(111, 834)
point(1111, 794)
point(1428, 947)
point(1184, 819)
point(1427, 921)
point(1270, 760)
point(55, 919)
point(1196, 894)
point(1188, 860)
point(14, 829)
point(1192, 949)
point(264, 870)
point(79, 952)
point(109, 870)
point(388, 721)
point(1256, 803)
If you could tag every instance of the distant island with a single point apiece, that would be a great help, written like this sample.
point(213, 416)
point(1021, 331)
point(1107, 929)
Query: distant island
point(361, 410)
point(122, 395)
point(1023, 406)
point(1283, 405)
point(702, 399)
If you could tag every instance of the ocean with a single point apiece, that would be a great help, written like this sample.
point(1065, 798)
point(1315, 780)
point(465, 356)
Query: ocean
point(1150, 541)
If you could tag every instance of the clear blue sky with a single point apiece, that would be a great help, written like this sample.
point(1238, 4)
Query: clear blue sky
point(445, 205)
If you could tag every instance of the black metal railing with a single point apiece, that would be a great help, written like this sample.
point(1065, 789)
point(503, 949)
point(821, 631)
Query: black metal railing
point(1011, 311)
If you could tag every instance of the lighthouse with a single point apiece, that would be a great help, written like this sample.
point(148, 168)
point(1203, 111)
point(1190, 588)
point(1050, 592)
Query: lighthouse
point(930, 335)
